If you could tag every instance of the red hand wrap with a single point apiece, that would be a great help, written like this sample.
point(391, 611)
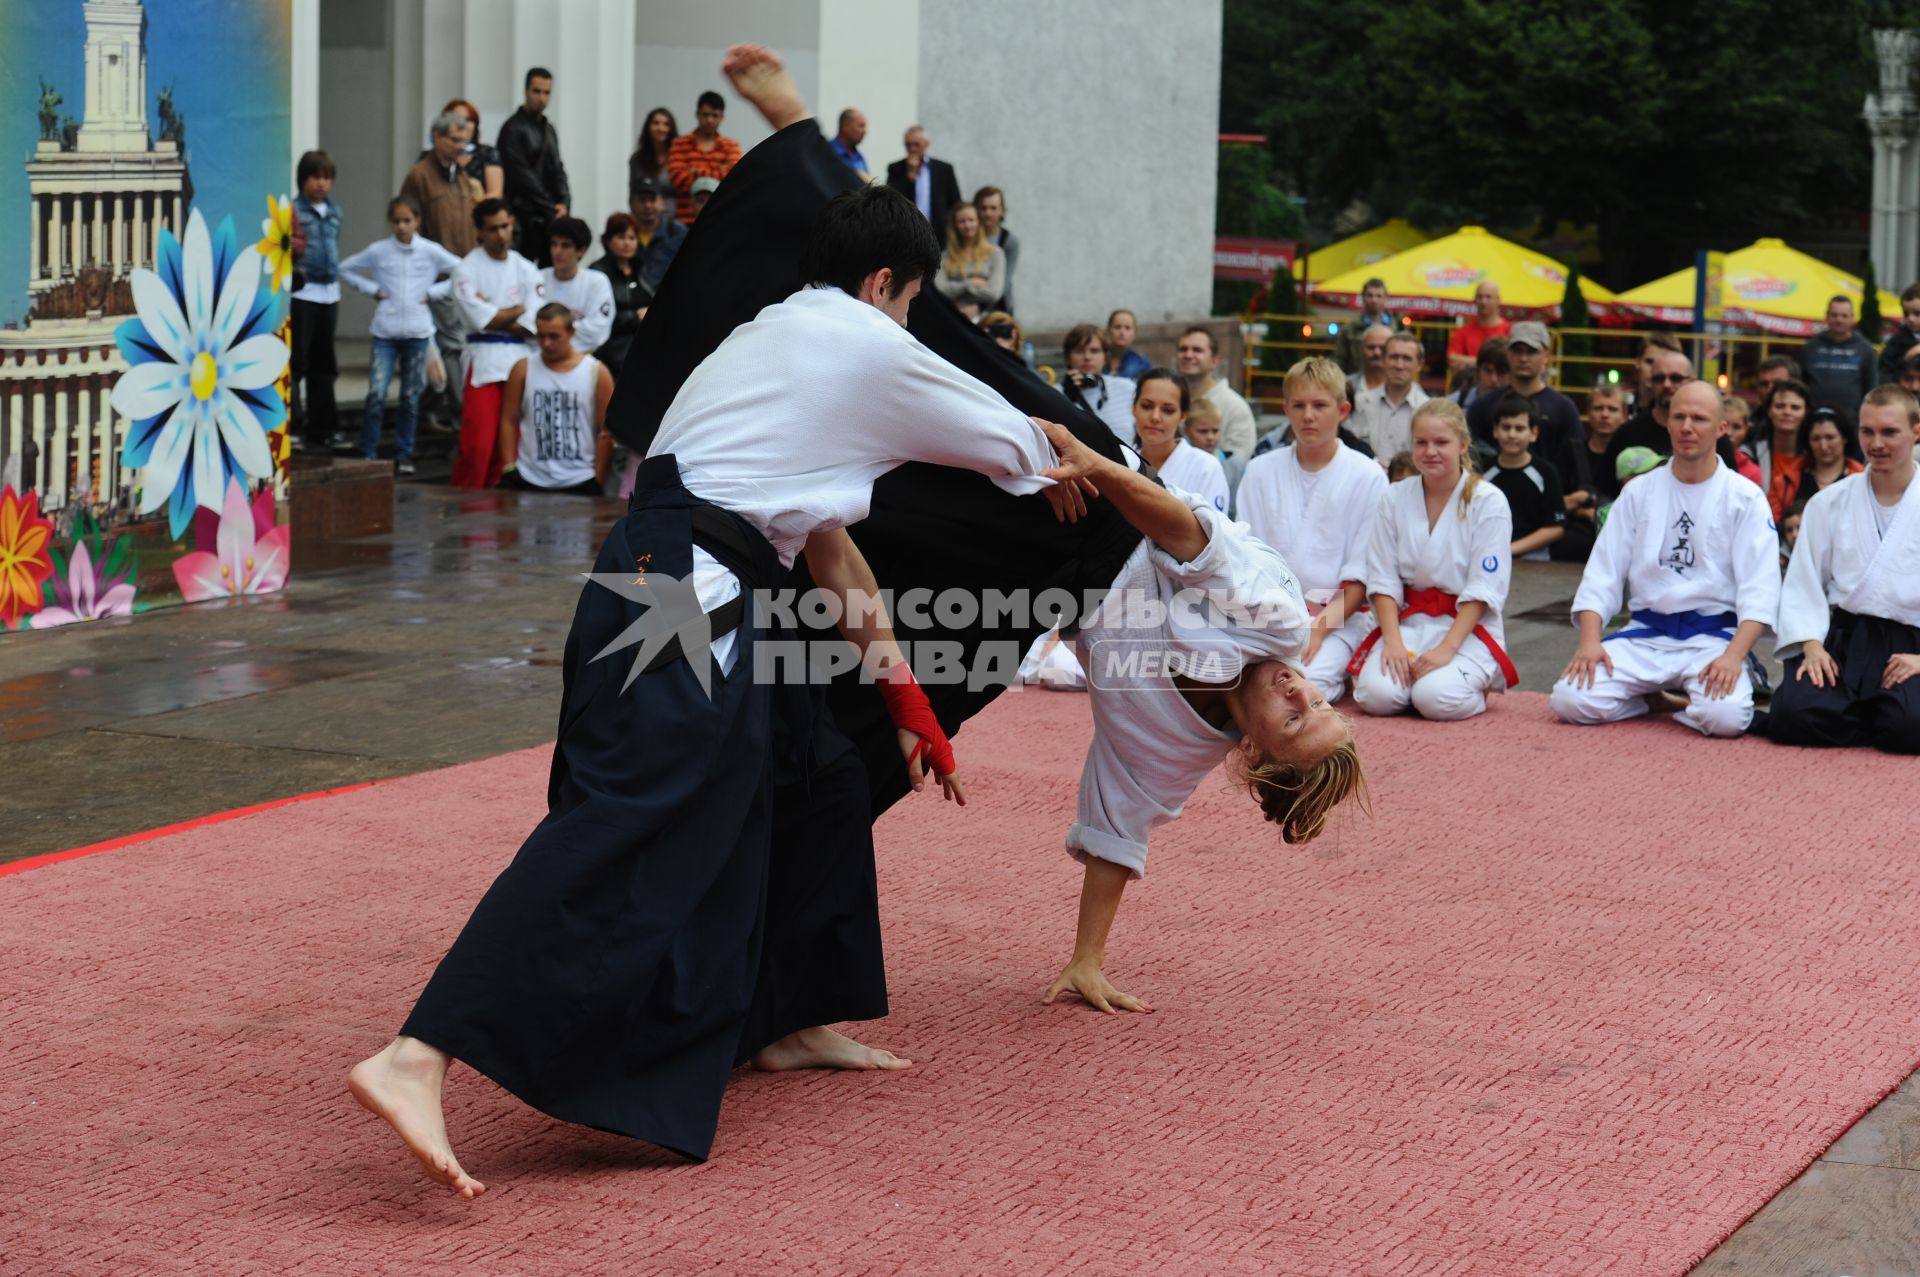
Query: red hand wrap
point(907, 706)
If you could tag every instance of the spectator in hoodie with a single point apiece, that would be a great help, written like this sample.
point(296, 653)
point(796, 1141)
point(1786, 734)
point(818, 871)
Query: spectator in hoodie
point(1841, 366)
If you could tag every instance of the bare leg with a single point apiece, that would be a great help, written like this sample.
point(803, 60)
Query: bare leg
point(759, 76)
point(401, 1086)
point(822, 1048)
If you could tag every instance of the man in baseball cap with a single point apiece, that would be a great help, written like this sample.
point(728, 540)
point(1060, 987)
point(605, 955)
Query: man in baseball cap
point(703, 189)
point(1562, 436)
point(660, 234)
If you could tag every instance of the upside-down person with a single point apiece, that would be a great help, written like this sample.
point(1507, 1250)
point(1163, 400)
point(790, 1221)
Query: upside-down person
point(701, 893)
point(1692, 546)
point(1315, 503)
point(1849, 628)
point(1220, 680)
point(1437, 573)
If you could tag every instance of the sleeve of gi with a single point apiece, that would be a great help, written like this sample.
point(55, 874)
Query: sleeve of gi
point(1489, 565)
point(1239, 572)
point(1804, 615)
point(1383, 551)
point(1605, 577)
point(477, 311)
point(1756, 557)
point(922, 408)
point(595, 322)
point(1361, 517)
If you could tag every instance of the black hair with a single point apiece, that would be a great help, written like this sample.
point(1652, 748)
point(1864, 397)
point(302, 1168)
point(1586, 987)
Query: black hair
point(555, 310)
point(572, 230)
point(712, 101)
point(1787, 362)
point(406, 202)
point(1791, 386)
point(487, 208)
point(1843, 422)
point(1167, 374)
point(313, 164)
point(860, 232)
point(535, 73)
point(1518, 405)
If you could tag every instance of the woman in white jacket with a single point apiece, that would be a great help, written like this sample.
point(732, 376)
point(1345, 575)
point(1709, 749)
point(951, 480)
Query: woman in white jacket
point(404, 272)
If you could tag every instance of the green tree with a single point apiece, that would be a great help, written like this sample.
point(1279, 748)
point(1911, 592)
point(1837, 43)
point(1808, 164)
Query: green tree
point(1248, 203)
point(1574, 314)
point(1870, 321)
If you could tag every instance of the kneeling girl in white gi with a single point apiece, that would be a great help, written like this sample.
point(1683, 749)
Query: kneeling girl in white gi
point(1692, 545)
point(1437, 573)
point(1191, 659)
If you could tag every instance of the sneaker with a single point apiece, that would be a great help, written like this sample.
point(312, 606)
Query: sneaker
point(342, 443)
point(404, 467)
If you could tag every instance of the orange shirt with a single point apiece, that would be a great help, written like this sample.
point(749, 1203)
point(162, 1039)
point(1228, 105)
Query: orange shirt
point(1470, 336)
point(686, 161)
point(1787, 473)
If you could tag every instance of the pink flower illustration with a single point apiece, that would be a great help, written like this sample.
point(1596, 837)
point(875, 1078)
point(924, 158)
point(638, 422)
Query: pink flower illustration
point(247, 560)
point(79, 597)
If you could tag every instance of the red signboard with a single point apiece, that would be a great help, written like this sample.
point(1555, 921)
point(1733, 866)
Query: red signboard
point(1255, 260)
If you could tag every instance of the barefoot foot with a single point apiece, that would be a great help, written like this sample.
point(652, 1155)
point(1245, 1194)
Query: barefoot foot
point(822, 1048)
point(760, 77)
point(401, 1086)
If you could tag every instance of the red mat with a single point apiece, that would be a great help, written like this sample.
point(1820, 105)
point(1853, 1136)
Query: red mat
point(1580, 1001)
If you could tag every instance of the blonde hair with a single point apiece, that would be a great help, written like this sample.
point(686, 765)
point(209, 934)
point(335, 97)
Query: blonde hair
point(967, 261)
point(1300, 800)
point(1607, 390)
point(1320, 372)
point(1446, 410)
point(1203, 411)
point(1734, 408)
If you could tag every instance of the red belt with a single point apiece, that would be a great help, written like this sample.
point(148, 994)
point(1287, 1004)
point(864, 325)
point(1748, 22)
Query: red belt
point(1436, 603)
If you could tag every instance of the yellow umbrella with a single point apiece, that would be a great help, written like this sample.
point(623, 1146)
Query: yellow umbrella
point(1396, 235)
point(1438, 278)
point(1766, 285)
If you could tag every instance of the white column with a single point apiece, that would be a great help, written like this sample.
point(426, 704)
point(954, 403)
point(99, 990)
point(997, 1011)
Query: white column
point(99, 229)
point(56, 238)
point(39, 393)
point(117, 228)
point(33, 252)
point(142, 250)
point(83, 434)
point(55, 484)
point(109, 446)
point(13, 456)
point(306, 79)
point(178, 224)
point(77, 250)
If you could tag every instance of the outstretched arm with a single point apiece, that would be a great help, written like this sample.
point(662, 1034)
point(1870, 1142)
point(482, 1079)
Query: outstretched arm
point(1161, 516)
point(1100, 896)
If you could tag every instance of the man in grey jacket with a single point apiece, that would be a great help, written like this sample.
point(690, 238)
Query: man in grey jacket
point(1839, 363)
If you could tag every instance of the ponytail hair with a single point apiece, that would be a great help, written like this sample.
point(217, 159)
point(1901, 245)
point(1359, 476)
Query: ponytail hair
point(1446, 410)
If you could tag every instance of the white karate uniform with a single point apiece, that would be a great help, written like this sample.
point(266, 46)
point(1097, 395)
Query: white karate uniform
point(483, 287)
point(1198, 473)
point(1150, 748)
point(589, 295)
point(1844, 560)
point(1469, 558)
point(1676, 547)
point(793, 417)
point(1321, 522)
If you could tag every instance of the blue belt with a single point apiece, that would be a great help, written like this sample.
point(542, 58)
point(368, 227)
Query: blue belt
point(1686, 625)
point(501, 338)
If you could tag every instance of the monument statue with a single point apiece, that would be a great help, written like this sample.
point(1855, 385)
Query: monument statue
point(173, 125)
point(50, 101)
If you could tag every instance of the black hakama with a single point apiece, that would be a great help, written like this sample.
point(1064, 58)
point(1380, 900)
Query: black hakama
point(929, 527)
point(1855, 710)
point(702, 885)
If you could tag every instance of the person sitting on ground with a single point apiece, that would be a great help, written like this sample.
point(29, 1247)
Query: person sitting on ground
point(1530, 485)
point(1106, 396)
point(1239, 694)
point(1465, 341)
point(1776, 438)
point(1315, 503)
point(1197, 357)
point(553, 413)
point(1692, 546)
point(974, 271)
point(631, 297)
point(1383, 415)
point(1203, 432)
point(1160, 403)
point(1529, 347)
point(1490, 373)
point(587, 293)
point(1122, 359)
point(1438, 568)
point(1790, 532)
point(1595, 484)
point(1849, 627)
point(1645, 387)
point(1906, 338)
point(1821, 459)
point(1647, 427)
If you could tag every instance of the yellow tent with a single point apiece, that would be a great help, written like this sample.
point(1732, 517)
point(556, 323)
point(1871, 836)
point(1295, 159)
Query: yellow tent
point(1396, 235)
point(1438, 278)
point(1766, 285)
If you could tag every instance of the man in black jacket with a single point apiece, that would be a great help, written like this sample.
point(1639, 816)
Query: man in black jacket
point(536, 180)
point(928, 182)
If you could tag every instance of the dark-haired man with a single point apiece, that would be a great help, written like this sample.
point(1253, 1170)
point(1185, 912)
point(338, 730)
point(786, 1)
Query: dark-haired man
point(497, 290)
point(701, 153)
point(701, 893)
point(1196, 357)
point(1841, 365)
point(587, 294)
point(660, 237)
point(536, 180)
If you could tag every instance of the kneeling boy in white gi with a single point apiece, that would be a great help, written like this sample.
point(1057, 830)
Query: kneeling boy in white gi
point(1694, 547)
point(1851, 603)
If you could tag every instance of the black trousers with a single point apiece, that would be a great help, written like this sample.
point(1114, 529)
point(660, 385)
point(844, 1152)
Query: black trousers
point(530, 237)
point(314, 370)
point(1855, 710)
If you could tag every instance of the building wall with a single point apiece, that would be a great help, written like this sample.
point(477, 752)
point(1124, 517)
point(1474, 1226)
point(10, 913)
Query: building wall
point(1099, 120)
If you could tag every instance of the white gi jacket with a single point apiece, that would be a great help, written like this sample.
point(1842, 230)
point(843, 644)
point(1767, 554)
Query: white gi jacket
point(589, 295)
point(483, 287)
point(1321, 523)
point(1841, 560)
point(1470, 558)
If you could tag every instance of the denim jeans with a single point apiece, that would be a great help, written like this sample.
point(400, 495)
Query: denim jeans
point(411, 352)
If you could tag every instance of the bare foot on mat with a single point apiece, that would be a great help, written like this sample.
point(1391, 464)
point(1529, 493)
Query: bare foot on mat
point(822, 1048)
point(401, 1086)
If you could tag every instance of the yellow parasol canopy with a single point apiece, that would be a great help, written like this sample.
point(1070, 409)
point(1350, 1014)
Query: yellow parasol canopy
point(1439, 277)
point(1396, 235)
point(1766, 285)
